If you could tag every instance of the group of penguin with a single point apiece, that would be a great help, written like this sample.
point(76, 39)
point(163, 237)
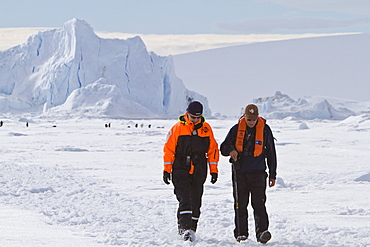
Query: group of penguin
point(107, 125)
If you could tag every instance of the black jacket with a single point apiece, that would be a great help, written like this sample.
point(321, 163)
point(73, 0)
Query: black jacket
point(248, 163)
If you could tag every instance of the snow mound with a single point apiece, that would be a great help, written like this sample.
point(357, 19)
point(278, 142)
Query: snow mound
point(16, 134)
point(281, 106)
point(70, 149)
point(80, 73)
point(357, 123)
point(365, 178)
point(303, 126)
point(97, 99)
point(42, 190)
point(280, 182)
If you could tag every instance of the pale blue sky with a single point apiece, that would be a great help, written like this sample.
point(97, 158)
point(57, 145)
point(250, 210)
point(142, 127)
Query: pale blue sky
point(193, 16)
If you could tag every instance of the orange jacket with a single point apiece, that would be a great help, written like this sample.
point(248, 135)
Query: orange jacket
point(185, 127)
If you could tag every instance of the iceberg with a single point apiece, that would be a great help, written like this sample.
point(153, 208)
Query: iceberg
point(73, 71)
point(281, 106)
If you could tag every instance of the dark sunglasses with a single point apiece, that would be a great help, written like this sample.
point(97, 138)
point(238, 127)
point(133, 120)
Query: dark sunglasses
point(195, 117)
point(251, 120)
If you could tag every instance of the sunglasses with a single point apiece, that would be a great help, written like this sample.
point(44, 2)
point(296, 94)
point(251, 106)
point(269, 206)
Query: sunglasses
point(251, 120)
point(195, 117)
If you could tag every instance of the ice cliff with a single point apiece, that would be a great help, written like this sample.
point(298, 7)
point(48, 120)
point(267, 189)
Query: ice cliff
point(73, 71)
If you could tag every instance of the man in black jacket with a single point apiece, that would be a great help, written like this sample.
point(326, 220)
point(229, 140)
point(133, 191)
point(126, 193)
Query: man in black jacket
point(249, 144)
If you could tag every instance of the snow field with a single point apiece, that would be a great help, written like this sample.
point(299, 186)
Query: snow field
point(103, 186)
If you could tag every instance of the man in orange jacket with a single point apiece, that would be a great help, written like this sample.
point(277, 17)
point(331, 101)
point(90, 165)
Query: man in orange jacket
point(189, 147)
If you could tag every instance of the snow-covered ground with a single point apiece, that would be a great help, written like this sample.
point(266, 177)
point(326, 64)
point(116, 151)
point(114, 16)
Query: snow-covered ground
point(77, 183)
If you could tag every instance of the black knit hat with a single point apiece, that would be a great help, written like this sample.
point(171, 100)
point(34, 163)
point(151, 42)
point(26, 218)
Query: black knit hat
point(195, 108)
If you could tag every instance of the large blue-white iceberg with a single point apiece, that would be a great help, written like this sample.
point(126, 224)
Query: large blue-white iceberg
point(73, 71)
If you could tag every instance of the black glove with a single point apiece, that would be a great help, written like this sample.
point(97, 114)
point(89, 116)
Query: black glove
point(214, 177)
point(166, 177)
point(236, 164)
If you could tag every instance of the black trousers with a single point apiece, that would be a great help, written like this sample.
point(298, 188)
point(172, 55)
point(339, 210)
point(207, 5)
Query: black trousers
point(189, 192)
point(250, 185)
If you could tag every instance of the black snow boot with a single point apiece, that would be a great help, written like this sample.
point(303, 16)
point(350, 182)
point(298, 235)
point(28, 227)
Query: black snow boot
point(264, 237)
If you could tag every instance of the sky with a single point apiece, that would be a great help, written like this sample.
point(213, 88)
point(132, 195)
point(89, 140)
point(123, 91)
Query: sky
point(194, 16)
